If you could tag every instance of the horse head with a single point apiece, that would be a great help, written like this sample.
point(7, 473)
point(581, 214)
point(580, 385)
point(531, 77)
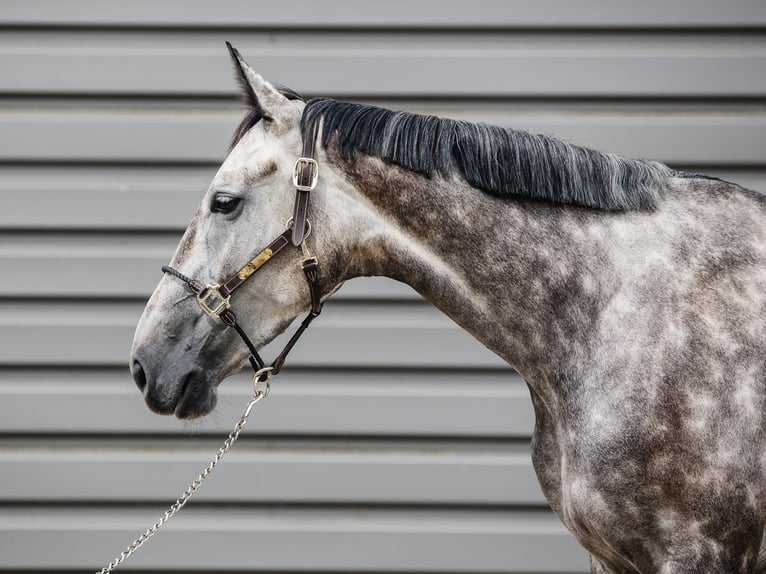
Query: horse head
point(179, 354)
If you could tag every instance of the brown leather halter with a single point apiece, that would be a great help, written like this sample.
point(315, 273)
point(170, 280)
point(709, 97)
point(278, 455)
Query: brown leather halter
point(214, 299)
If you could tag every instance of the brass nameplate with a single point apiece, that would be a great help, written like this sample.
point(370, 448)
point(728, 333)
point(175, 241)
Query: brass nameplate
point(255, 264)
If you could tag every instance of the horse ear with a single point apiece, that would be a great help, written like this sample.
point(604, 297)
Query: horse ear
point(257, 93)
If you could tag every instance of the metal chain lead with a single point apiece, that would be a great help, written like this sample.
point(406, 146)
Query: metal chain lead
point(258, 395)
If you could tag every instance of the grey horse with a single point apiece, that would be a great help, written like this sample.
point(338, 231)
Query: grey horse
point(630, 297)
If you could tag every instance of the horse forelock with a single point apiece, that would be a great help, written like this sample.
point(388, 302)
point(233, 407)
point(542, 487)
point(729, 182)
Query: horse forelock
point(499, 161)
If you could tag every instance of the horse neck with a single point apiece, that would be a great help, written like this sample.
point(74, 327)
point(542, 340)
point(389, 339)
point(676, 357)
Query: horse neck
point(507, 271)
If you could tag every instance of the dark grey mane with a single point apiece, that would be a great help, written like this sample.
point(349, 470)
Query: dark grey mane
point(499, 161)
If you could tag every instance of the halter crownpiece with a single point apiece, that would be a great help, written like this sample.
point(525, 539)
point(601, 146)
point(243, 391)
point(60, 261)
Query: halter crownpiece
point(215, 299)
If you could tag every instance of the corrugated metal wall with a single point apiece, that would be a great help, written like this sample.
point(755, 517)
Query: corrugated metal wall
point(394, 442)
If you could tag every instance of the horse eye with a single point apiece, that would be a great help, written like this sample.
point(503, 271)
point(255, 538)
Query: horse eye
point(224, 203)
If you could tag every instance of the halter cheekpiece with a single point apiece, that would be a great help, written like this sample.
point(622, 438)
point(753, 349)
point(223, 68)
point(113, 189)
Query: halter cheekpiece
point(214, 299)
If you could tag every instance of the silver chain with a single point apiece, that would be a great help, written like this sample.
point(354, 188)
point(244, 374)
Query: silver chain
point(258, 395)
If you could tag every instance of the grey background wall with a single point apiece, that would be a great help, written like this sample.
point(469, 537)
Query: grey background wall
point(394, 442)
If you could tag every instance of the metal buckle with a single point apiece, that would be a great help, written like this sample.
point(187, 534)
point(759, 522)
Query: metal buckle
point(212, 302)
point(301, 163)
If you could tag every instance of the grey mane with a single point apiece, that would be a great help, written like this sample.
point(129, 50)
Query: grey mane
point(500, 161)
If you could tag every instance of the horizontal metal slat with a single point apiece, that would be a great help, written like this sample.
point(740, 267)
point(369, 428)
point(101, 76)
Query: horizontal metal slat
point(347, 403)
point(136, 277)
point(416, 336)
point(296, 541)
point(394, 13)
point(692, 71)
point(689, 139)
point(124, 265)
point(432, 476)
point(137, 198)
point(120, 137)
point(114, 198)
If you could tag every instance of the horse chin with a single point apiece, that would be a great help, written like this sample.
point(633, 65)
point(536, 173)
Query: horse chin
point(197, 397)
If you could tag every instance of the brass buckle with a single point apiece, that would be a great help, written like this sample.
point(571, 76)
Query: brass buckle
point(212, 302)
point(301, 163)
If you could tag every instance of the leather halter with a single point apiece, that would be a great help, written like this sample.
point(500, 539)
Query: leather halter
point(214, 299)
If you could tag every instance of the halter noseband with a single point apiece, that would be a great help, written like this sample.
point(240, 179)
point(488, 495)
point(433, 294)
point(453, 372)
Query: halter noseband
point(214, 299)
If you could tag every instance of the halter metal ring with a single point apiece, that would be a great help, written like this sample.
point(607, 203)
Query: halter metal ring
point(304, 247)
point(306, 235)
point(257, 392)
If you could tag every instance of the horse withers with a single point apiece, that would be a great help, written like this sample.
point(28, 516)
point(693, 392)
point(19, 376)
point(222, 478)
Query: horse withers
point(630, 297)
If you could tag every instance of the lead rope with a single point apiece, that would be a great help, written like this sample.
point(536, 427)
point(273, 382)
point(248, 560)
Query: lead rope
point(305, 179)
point(262, 375)
point(258, 395)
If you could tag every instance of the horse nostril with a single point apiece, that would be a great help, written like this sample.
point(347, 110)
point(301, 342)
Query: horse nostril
point(139, 376)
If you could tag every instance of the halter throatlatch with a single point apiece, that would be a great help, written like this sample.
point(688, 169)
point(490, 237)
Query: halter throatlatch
point(215, 299)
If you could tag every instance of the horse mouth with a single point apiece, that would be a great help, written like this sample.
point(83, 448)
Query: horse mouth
point(194, 396)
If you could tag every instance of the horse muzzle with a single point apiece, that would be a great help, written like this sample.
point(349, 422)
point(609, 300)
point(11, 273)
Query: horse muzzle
point(187, 394)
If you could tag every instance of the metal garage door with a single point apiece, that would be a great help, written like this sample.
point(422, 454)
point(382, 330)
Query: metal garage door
point(408, 454)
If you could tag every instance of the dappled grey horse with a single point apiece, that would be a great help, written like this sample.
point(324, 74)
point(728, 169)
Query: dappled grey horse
point(630, 297)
